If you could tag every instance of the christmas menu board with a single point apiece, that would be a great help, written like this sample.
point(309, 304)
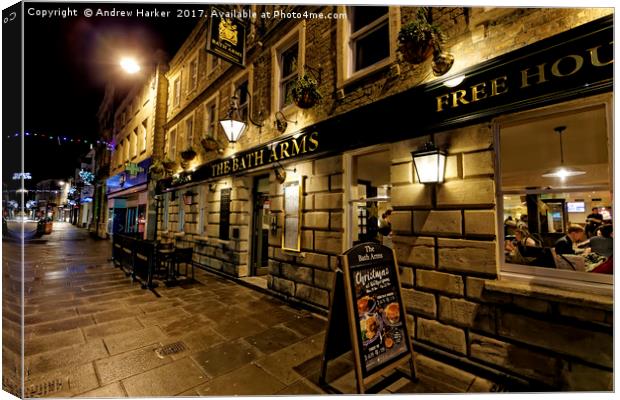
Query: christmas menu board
point(378, 313)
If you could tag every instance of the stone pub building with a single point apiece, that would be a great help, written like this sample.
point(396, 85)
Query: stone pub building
point(302, 185)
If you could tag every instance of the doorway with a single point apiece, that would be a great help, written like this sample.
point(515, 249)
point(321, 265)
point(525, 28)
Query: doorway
point(259, 261)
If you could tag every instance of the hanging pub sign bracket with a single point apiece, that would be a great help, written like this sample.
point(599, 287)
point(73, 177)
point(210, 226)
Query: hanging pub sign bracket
point(367, 303)
point(226, 37)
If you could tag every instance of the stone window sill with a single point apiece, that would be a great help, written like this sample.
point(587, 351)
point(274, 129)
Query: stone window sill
point(591, 300)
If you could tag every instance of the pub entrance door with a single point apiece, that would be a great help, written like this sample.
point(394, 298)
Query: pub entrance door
point(260, 226)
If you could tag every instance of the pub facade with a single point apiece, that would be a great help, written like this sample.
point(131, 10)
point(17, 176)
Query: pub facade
point(517, 105)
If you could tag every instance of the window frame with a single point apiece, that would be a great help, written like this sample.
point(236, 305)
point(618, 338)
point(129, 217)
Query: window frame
point(211, 101)
point(345, 74)
point(172, 144)
point(134, 143)
point(248, 75)
point(188, 124)
point(296, 35)
point(176, 91)
point(145, 131)
point(193, 74)
point(562, 279)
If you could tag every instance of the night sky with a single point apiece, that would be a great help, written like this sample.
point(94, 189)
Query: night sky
point(67, 64)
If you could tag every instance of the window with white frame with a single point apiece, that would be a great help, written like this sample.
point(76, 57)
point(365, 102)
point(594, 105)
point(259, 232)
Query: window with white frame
point(172, 144)
point(369, 36)
point(145, 135)
point(189, 132)
point(210, 121)
point(193, 73)
point(176, 92)
point(555, 192)
point(289, 70)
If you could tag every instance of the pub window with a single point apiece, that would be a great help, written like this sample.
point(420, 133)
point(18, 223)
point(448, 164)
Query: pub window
point(288, 62)
point(172, 144)
point(193, 73)
point(369, 40)
point(176, 92)
point(210, 121)
point(555, 192)
point(189, 132)
point(145, 135)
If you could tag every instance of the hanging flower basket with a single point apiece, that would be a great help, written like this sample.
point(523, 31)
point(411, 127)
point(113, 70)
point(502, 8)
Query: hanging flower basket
point(209, 144)
point(157, 168)
point(169, 165)
point(305, 93)
point(189, 154)
point(420, 37)
point(416, 52)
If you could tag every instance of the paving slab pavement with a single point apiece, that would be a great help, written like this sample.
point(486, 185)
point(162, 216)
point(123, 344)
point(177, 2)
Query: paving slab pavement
point(91, 332)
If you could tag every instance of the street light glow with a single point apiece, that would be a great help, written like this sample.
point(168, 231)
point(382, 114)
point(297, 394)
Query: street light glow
point(130, 65)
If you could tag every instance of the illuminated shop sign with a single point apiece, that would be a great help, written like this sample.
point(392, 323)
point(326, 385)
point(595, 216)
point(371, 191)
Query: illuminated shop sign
point(134, 174)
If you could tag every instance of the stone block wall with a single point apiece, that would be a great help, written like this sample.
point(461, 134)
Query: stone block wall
point(445, 240)
point(308, 276)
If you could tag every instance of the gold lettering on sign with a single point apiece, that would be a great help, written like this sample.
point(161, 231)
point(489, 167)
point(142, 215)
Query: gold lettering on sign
point(459, 96)
point(477, 92)
point(442, 101)
point(498, 86)
point(594, 57)
point(258, 157)
point(273, 156)
point(284, 150)
point(525, 75)
point(555, 68)
point(296, 148)
point(314, 141)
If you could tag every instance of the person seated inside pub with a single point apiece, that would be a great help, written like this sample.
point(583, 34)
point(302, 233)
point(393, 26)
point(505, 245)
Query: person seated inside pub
point(565, 245)
point(603, 243)
point(593, 221)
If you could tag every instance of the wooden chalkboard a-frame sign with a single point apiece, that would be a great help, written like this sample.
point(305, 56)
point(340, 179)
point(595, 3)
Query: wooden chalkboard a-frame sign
point(367, 303)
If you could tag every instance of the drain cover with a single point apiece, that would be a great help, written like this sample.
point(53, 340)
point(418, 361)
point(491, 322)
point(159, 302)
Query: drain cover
point(172, 348)
point(43, 388)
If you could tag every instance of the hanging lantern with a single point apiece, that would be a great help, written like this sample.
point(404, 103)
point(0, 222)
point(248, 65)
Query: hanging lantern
point(429, 163)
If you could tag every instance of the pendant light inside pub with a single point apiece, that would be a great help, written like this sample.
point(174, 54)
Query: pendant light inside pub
point(562, 171)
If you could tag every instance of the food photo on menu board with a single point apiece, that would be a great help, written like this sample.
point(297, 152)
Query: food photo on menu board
point(381, 328)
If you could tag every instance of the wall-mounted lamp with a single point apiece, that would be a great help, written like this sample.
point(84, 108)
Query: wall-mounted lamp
point(281, 122)
point(429, 163)
point(232, 124)
point(188, 197)
point(280, 172)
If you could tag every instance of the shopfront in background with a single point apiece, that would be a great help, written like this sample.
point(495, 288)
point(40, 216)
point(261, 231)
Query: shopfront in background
point(528, 133)
point(127, 199)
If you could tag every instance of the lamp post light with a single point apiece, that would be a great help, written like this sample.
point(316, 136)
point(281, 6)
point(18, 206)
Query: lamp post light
point(430, 164)
point(130, 65)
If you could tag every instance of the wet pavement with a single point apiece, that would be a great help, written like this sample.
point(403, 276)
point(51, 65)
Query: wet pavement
point(92, 332)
